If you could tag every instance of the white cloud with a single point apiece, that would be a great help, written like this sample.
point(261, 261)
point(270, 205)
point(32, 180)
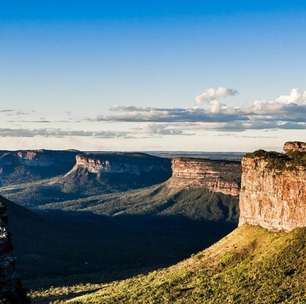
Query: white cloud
point(281, 104)
point(211, 98)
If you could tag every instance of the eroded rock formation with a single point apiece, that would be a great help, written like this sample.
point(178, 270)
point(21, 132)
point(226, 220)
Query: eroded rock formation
point(215, 175)
point(93, 165)
point(273, 189)
point(295, 146)
point(11, 291)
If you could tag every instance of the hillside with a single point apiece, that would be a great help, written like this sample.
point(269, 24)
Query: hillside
point(263, 264)
point(160, 200)
point(31, 165)
point(54, 248)
point(92, 174)
point(250, 265)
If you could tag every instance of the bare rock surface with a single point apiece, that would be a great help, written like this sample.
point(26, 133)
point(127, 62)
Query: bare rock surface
point(215, 175)
point(273, 189)
point(295, 146)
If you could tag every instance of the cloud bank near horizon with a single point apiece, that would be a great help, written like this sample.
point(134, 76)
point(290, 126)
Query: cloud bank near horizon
point(136, 127)
point(283, 112)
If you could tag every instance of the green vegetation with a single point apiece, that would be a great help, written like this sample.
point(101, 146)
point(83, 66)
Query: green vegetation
point(101, 240)
point(280, 161)
point(251, 265)
point(161, 200)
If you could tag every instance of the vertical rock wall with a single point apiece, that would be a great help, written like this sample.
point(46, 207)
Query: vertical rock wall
point(11, 291)
point(273, 190)
point(214, 175)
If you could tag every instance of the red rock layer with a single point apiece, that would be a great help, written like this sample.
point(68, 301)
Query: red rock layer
point(294, 146)
point(272, 196)
point(216, 176)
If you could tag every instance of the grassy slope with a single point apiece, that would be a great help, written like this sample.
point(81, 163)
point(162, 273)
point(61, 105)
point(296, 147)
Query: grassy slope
point(250, 265)
point(55, 247)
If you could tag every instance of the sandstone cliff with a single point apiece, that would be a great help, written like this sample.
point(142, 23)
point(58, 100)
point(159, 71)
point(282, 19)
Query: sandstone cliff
point(294, 146)
point(215, 175)
point(11, 291)
point(273, 189)
point(133, 164)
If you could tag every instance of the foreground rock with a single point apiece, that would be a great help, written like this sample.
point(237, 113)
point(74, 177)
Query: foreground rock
point(273, 189)
point(11, 291)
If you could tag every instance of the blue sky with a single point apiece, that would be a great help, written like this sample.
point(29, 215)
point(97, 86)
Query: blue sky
point(65, 63)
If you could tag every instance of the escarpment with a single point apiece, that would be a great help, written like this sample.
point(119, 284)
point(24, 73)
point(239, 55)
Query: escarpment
point(121, 163)
point(273, 189)
point(11, 291)
point(215, 175)
point(122, 171)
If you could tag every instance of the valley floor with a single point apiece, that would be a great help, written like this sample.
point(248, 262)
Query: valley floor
point(250, 265)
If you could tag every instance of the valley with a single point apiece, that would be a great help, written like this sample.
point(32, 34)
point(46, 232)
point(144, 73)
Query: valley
point(99, 241)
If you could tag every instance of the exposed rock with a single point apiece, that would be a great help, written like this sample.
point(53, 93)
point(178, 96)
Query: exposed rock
point(11, 291)
point(215, 175)
point(120, 163)
point(29, 155)
point(295, 146)
point(273, 190)
point(91, 164)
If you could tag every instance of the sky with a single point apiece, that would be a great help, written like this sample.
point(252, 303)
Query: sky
point(152, 75)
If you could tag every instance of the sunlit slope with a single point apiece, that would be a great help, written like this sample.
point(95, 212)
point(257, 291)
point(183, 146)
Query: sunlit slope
point(250, 265)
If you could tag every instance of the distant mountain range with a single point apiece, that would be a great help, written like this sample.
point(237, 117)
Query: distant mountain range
point(76, 174)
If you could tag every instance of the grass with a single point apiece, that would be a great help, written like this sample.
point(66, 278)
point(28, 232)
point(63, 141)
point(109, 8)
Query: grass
point(250, 265)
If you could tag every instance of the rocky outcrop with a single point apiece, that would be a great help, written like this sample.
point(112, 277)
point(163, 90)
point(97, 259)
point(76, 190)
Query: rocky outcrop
point(93, 165)
point(28, 155)
point(11, 291)
point(295, 146)
point(121, 163)
point(273, 189)
point(215, 175)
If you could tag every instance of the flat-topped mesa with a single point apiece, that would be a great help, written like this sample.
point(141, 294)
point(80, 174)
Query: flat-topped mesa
point(117, 163)
point(11, 291)
point(128, 166)
point(294, 146)
point(273, 190)
point(215, 175)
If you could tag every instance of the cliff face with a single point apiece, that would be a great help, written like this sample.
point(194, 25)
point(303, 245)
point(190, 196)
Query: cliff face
point(11, 291)
point(294, 146)
point(121, 163)
point(215, 175)
point(92, 165)
point(273, 190)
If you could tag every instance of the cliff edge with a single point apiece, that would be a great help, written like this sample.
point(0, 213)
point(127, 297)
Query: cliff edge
point(214, 175)
point(273, 188)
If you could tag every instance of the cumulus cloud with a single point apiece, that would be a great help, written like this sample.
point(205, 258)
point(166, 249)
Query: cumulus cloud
point(292, 103)
point(283, 112)
point(211, 98)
